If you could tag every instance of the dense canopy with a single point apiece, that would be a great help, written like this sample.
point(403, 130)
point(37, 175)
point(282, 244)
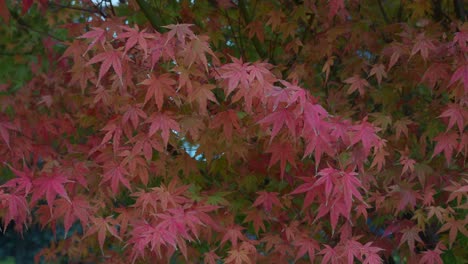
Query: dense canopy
point(236, 131)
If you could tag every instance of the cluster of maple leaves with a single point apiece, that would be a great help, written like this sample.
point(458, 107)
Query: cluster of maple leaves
point(102, 141)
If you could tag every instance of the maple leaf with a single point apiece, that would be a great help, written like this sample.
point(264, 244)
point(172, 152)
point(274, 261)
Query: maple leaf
point(98, 35)
point(233, 234)
point(455, 226)
point(328, 180)
point(335, 6)
point(431, 257)
point(78, 208)
point(319, 142)
point(350, 187)
point(408, 164)
point(164, 123)
point(379, 71)
point(256, 217)
point(306, 246)
point(371, 253)
point(282, 152)
point(275, 18)
point(456, 114)
point(410, 236)
point(202, 94)
point(279, 118)
point(115, 173)
point(435, 73)
point(256, 28)
point(4, 127)
point(181, 31)
point(228, 120)
point(134, 36)
point(330, 255)
point(446, 142)
point(379, 156)
point(114, 131)
point(101, 226)
point(357, 83)
point(461, 38)
point(210, 257)
point(457, 191)
point(313, 116)
point(158, 87)
point(18, 209)
point(422, 45)
point(267, 200)
point(401, 127)
point(238, 256)
point(328, 64)
point(440, 213)
point(50, 185)
point(23, 182)
point(406, 195)
point(461, 74)
point(197, 48)
point(109, 58)
point(235, 73)
point(133, 114)
point(365, 133)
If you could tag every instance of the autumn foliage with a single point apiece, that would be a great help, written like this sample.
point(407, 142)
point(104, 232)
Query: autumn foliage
point(240, 131)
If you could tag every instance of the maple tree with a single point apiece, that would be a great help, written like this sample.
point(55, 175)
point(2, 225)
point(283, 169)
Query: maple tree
point(236, 131)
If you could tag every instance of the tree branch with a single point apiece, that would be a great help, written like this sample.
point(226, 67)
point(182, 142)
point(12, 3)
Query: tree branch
point(77, 8)
point(153, 18)
point(459, 10)
point(382, 10)
point(258, 46)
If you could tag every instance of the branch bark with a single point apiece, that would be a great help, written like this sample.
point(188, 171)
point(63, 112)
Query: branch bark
point(154, 19)
point(245, 15)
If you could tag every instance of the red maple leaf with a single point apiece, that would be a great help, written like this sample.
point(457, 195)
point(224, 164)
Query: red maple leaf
point(461, 74)
point(233, 234)
point(115, 173)
point(79, 208)
point(279, 118)
point(228, 120)
point(379, 71)
point(109, 58)
point(158, 87)
point(365, 132)
point(101, 226)
point(23, 182)
point(457, 115)
point(164, 123)
point(267, 200)
point(446, 142)
point(4, 127)
point(181, 31)
point(283, 152)
point(17, 211)
point(98, 35)
point(49, 185)
point(357, 83)
point(134, 36)
point(306, 246)
point(410, 236)
point(330, 255)
point(455, 226)
point(133, 114)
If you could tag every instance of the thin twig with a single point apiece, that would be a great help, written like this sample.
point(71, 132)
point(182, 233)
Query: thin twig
point(241, 51)
point(382, 10)
point(258, 46)
point(77, 8)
